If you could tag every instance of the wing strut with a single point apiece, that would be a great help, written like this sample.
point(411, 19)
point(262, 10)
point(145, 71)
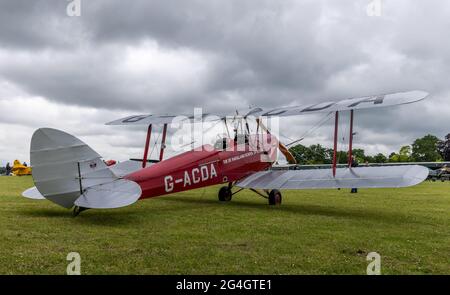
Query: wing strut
point(336, 126)
point(350, 141)
point(79, 178)
point(147, 144)
point(283, 149)
point(163, 143)
point(226, 126)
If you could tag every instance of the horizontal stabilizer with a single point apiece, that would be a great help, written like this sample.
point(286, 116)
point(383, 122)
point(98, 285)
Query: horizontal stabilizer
point(361, 177)
point(33, 193)
point(118, 193)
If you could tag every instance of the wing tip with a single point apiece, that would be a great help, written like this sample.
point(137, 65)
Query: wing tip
point(418, 95)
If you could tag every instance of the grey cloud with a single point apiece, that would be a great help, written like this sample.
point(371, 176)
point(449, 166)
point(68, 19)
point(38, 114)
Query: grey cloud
point(260, 50)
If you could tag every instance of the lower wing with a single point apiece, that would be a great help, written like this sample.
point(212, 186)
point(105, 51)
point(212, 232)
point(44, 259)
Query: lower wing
point(361, 177)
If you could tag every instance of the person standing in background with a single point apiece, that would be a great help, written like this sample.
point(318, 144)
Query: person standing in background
point(8, 169)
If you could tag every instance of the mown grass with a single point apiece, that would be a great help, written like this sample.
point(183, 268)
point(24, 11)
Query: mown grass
point(313, 232)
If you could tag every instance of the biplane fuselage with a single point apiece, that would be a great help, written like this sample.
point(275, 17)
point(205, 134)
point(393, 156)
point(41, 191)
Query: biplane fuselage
point(203, 167)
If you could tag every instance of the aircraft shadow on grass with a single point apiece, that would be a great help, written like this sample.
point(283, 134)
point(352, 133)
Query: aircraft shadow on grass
point(303, 209)
point(105, 218)
point(118, 217)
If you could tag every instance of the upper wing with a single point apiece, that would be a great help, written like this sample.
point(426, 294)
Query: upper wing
point(374, 101)
point(362, 177)
point(164, 119)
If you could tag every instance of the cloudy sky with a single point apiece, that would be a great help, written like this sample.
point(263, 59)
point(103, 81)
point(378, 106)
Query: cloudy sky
point(120, 58)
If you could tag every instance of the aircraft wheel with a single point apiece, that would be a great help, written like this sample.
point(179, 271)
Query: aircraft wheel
point(225, 194)
point(275, 197)
point(77, 210)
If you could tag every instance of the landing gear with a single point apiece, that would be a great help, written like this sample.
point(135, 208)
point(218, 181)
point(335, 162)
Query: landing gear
point(225, 194)
point(275, 197)
point(77, 210)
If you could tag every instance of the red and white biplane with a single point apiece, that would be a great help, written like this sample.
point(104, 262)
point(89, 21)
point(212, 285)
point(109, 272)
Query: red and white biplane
point(69, 173)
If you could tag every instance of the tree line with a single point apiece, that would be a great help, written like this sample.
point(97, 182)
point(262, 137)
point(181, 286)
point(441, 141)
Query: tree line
point(426, 149)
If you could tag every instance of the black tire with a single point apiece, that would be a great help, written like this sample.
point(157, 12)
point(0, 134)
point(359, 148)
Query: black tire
point(275, 197)
point(77, 210)
point(225, 194)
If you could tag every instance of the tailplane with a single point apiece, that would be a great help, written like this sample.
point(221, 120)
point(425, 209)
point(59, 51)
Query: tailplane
point(69, 173)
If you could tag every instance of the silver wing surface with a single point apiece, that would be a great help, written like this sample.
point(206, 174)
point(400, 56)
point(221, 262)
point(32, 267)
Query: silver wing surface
point(367, 102)
point(361, 177)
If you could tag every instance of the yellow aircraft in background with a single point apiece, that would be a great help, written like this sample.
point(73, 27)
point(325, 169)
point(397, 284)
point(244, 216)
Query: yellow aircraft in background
point(19, 169)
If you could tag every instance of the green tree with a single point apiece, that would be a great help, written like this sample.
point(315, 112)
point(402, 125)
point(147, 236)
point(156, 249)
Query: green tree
point(404, 155)
point(341, 157)
point(370, 159)
point(318, 155)
point(359, 155)
point(300, 154)
point(425, 149)
point(314, 154)
point(394, 158)
point(444, 148)
point(380, 158)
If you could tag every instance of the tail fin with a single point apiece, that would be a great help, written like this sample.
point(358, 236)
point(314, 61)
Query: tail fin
point(68, 172)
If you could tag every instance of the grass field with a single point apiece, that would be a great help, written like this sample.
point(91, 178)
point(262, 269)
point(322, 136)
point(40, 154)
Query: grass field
point(313, 232)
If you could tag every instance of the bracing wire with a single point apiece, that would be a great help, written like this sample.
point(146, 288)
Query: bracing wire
point(342, 135)
point(153, 148)
point(204, 131)
point(341, 144)
point(319, 124)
